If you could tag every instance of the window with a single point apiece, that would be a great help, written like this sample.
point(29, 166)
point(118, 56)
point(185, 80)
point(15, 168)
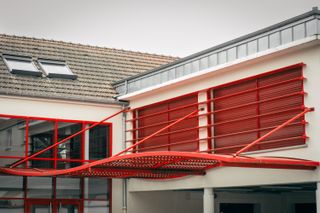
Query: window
point(244, 111)
point(21, 65)
point(58, 69)
point(180, 137)
point(98, 142)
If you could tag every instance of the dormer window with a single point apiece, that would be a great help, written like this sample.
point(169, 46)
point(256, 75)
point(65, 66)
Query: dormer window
point(21, 65)
point(56, 69)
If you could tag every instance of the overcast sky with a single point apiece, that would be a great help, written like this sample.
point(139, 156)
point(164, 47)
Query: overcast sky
point(171, 27)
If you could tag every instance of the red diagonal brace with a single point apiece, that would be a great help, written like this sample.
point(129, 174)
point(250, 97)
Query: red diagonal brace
point(306, 110)
point(157, 132)
point(65, 140)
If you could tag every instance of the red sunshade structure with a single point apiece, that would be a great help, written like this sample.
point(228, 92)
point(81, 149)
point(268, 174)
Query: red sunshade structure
point(166, 164)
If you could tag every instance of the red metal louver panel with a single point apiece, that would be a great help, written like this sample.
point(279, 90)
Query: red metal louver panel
point(151, 118)
point(246, 110)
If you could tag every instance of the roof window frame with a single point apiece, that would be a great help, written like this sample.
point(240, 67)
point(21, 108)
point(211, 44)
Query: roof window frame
point(43, 61)
point(7, 57)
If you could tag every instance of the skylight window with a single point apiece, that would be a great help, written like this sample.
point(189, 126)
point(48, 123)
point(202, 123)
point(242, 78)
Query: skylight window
point(56, 69)
point(21, 65)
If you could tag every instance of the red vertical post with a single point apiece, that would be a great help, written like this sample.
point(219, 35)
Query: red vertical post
point(82, 151)
point(27, 142)
point(209, 119)
point(55, 140)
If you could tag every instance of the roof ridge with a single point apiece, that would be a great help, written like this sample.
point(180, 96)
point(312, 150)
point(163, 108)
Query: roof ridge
point(88, 45)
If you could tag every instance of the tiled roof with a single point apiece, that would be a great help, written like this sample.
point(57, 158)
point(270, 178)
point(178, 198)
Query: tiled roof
point(96, 68)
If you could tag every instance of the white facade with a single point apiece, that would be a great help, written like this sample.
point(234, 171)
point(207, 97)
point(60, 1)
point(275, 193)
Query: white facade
point(161, 191)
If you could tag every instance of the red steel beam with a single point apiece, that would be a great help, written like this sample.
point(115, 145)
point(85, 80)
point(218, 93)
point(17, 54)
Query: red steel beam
point(273, 131)
point(157, 132)
point(66, 139)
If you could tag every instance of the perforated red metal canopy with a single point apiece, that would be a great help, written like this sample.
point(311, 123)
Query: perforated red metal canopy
point(164, 165)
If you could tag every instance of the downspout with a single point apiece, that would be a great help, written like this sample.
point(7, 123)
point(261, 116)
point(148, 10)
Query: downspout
point(124, 181)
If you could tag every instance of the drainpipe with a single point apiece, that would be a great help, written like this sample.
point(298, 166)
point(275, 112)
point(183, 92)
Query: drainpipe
point(124, 181)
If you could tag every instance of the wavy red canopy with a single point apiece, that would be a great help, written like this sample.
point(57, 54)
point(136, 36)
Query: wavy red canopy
point(163, 165)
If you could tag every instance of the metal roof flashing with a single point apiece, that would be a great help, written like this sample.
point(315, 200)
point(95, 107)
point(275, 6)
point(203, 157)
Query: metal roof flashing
point(291, 46)
point(291, 23)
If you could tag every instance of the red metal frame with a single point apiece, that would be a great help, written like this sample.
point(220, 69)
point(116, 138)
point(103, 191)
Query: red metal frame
point(55, 159)
point(273, 131)
point(65, 139)
point(53, 204)
point(162, 165)
point(173, 164)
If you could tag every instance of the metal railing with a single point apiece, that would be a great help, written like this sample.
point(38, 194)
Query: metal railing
point(269, 38)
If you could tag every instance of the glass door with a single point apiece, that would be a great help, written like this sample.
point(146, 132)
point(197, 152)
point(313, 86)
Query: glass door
point(39, 206)
point(53, 206)
point(71, 206)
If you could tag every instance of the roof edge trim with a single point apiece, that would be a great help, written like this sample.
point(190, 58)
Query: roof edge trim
point(314, 11)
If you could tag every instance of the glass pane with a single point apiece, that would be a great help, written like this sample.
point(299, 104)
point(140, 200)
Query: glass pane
point(72, 148)
point(11, 186)
point(144, 82)
point(242, 50)
point(311, 28)
point(40, 208)
point(195, 66)
point(164, 76)
point(155, 79)
point(274, 39)
point(187, 69)
point(179, 71)
point(232, 54)
point(11, 206)
point(96, 206)
point(263, 43)
point(39, 187)
point(286, 36)
point(222, 57)
point(172, 74)
point(51, 68)
point(97, 188)
point(213, 60)
point(68, 188)
point(298, 32)
point(67, 164)
point(204, 63)
point(252, 47)
point(15, 64)
point(12, 139)
point(98, 142)
point(68, 208)
point(41, 135)
point(133, 86)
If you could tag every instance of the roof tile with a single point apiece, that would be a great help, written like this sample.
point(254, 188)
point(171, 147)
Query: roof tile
point(96, 68)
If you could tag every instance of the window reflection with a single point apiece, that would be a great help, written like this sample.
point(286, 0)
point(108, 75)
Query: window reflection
point(68, 188)
point(98, 142)
point(11, 186)
point(97, 188)
point(12, 139)
point(41, 135)
point(70, 149)
point(39, 187)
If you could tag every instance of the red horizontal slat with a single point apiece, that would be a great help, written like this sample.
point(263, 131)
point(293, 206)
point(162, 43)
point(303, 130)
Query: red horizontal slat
point(252, 113)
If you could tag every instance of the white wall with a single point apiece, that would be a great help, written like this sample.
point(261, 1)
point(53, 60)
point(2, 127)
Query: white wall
point(74, 111)
point(165, 201)
point(308, 54)
point(192, 201)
